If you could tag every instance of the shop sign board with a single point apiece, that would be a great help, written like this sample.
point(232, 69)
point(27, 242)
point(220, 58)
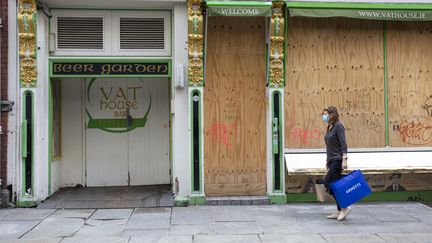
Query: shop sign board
point(396, 15)
point(104, 69)
point(239, 11)
point(239, 8)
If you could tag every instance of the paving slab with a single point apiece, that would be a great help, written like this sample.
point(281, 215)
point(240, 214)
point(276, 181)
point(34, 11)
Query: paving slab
point(388, 215)
point(230, 213)
point(365, 227)
point(411, 227)
point(164, 239)
point(150, 218)
point(274, 218)
point(55, 227)
point(352, 238)
point(237, 228)
point(292, 238)
point(227, 239)
point(114, 222)
point(283, 229)
point(324, 225)
point(407, 237)
point(110, 230)
point(203, 229)
point(31, 214)
point(109, 214)
point(15, 229)
point(96, 239)
point(191, 215)
point(42, 240)
point(145, 233)
point(73, 213)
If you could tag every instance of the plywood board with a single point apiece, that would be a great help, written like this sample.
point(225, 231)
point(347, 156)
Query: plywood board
point(337, 62)
point(234, 107)
point(410, 87)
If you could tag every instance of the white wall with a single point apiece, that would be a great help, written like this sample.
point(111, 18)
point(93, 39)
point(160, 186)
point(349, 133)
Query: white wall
point(181, 144)
point(40, 95)
point(72, 130)
point(41, 111)
point(13, 92)
point(68, 171)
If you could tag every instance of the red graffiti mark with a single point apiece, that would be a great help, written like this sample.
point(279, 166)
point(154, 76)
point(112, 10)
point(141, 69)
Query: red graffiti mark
point(415, 131)
point(305, 137)
point(223, 133)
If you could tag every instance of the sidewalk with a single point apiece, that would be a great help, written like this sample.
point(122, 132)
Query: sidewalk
point(383, 222)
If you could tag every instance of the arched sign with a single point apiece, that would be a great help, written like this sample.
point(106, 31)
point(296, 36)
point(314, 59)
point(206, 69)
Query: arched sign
point(117, 105)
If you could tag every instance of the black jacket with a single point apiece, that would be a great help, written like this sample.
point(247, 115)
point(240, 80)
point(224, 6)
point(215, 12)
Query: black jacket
point(335, 142)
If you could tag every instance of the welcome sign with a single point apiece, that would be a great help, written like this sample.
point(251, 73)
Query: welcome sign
point(239, 8)
point(239, 11)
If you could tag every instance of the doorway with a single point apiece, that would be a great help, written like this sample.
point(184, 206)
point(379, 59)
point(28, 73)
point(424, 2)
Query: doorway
point(235, 107)
point(127, 131)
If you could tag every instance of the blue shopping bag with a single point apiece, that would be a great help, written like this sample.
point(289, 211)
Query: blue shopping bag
point(350, 189)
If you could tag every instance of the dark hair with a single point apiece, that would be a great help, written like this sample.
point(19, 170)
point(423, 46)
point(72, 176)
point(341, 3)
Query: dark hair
point(333, 113)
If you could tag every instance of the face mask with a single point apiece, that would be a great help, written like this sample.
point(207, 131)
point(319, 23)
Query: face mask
point(325, 118)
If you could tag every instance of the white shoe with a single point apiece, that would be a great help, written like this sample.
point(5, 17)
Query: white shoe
point(344, 213)
point(333, 216)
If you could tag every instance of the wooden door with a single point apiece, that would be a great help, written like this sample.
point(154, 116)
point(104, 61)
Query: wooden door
point(234, 107)
point(149, 162)
point(106, 151)
point(119, 153)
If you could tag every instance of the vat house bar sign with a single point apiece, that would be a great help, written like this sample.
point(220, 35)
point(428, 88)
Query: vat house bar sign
point(106, 69)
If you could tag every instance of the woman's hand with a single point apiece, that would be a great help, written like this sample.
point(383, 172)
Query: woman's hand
point(344, 163)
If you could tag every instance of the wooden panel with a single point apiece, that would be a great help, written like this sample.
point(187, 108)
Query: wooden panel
point(234, 107)
point(106, 153)
point(336, 62)
point(410, 86)
point(149, 162)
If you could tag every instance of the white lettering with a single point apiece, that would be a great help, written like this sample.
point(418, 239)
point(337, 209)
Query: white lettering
point(353, 188)
point(392, 15)
point(239, 11)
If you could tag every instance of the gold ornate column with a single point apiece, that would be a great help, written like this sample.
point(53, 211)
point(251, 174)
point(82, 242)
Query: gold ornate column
point(27, 43)
point(277, 43)
point(196, 43)
point(196, 98)
point(275, 89)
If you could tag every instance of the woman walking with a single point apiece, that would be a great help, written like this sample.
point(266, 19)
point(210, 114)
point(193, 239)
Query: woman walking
point(336, 149)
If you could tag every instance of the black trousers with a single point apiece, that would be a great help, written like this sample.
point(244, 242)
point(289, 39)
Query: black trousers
point(334, 173)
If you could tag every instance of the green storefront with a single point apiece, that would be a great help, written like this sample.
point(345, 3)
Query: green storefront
point(261, 72)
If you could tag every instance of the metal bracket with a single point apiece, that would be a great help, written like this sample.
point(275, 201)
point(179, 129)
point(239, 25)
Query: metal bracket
point(6, 105)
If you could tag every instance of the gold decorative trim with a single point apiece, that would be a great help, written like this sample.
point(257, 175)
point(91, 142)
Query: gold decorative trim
point(27, 42)
point(277, 43)
point(195, 43)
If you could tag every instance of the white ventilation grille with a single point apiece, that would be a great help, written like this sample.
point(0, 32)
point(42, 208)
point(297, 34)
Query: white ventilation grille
point(142, 33)
point(84, 33)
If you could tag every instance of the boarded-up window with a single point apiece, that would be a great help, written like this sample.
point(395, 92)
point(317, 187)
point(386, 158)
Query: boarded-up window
point(338, 62)
point(410, 83)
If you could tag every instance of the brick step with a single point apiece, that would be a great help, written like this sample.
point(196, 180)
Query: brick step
point(242, 200)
